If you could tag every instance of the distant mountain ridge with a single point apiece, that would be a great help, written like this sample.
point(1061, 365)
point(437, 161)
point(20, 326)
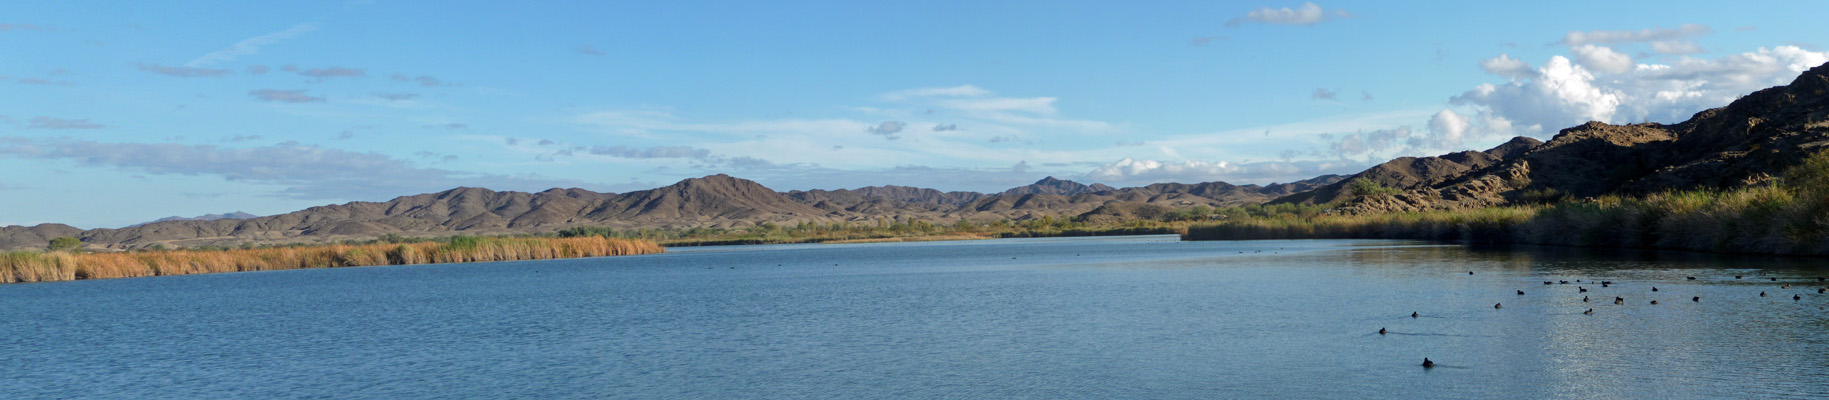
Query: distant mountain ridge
point(718, 201)
point(204, 217)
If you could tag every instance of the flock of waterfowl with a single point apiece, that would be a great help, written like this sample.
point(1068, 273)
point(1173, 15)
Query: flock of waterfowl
point(1621, 300)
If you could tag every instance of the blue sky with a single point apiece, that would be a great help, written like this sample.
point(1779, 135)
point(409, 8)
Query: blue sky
point(116, 114)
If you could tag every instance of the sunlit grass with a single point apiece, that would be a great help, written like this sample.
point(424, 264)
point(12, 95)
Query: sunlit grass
point(1787, 218)
point(63, 266)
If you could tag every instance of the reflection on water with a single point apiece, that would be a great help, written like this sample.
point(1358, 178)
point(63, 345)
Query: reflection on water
point(1040, 318)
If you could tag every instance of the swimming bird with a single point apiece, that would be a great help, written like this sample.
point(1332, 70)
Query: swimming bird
point(1697, 299)
point(1774, 279)
point(1737, 276)
point(1761, 294)
point(1819, 279)
point(1584, 299)
point(1654, 288)
point(1618, 301)
point(1606, 284)
point(1820, 291)
point(1563, 282)
point(1427, 363)
point(1588, 312)
point(1654, 302)
point(1498, 305)
point(1520, 292)
point(1583, 290)
point(1469, 273)
point(1548, 283)
point(1784, 286)
point(1796, 297)
point(1412, 314)
point(1381, 331)
point(1692, 278)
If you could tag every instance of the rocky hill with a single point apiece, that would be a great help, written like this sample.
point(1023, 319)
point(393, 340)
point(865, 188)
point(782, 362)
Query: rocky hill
point(1746, 142)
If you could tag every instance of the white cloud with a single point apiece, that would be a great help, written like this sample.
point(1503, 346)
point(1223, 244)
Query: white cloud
point(955, 91)
point(250, 46)
point(1578, 38)
point(306, 171)
point(1034, 105)
point(1565, 94)
point(1676, 47)
point(1602, 59)
point(1449, 128)
point(1133, 172)
point(1510, 68)
point(1307, 14)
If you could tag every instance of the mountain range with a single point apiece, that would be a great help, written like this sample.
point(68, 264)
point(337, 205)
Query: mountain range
point(1747, 142)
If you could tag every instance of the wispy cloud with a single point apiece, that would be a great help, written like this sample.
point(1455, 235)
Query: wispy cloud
point(396, 96)
point(586, 49)
point(422, 80)
point(184, 72)
point(651, 152)
point(284, 96)
point(42, 122)
point(304, 171)
point(332, 72)
point(19, 27)
point(1307, 14)
point(1578, 38)
point(250, 46)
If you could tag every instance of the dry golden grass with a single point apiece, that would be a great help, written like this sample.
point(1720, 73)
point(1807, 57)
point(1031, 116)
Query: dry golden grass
point(60, 266)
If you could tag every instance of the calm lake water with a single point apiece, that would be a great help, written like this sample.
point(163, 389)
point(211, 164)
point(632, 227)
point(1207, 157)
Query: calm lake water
point(1136, 317)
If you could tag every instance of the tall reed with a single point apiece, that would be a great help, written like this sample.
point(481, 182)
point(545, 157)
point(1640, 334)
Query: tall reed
point(62, 266)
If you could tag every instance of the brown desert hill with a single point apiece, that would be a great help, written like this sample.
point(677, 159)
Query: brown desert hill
point(717, 200)
point(1744, 143)
point(34, 237)
point(904, 194)
point(1407, 173)
point(1050, 185)
point(713, 197)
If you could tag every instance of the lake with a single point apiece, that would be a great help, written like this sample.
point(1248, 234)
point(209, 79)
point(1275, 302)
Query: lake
point(1130, 317)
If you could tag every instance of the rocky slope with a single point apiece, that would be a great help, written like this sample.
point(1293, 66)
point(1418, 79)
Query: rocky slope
point(1746, 142)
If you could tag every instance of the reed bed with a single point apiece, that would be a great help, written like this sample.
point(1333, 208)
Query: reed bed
point(63, 266)
point(1763, 220)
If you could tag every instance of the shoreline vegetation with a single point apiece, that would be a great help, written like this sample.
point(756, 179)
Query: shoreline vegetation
point(1789, 217)
point(32, 266)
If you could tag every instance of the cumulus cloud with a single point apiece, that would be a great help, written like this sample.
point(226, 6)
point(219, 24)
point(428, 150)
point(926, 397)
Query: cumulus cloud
point(1602, 59)
point(42, 122)
point(284, 96)
point(651, 152)
point(1564, 93)
point(250, 46)
point(304, 171)
point(1578, 38)
point(1307, 14)
point(1448, 128)
point(184, 72)
point(887, 129)
point(1507, 67)
point(1324, 94)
